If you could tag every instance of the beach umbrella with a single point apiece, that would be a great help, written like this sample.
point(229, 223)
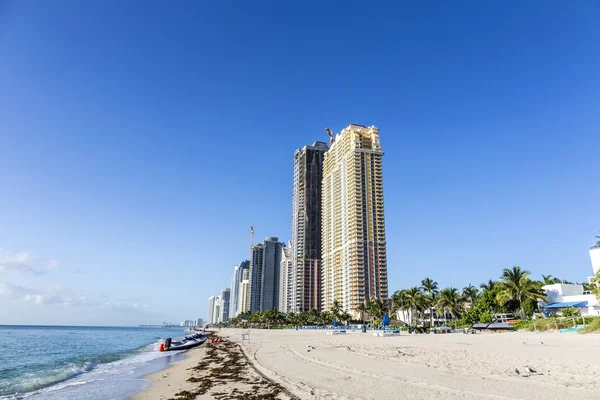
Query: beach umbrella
point(385, 321)
point(334, 322)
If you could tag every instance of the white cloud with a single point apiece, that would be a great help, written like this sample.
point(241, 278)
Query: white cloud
point(17, 262)
point(56, 295)
point(24, 262)
point(44, 294)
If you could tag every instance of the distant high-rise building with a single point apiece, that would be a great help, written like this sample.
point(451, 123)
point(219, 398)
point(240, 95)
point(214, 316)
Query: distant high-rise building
point(286, 278)
point(211, 309)
point(354, 264)
point(199, 322)
point(233, 296)
point(244, 295)
point(236, 281)
point(270, 281)
point(306, 226)
point(256, 267)
point(217, 311)
point(264, 275)
point(225, 304)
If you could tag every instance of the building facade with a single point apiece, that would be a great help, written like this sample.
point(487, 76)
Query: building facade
point(217, 311)
point(255, 277)
point(264, 275)
point(225, 304)
point(354, 263)
point(306, 226)
point(244, 295)
point(270, 274)
point(595, 258)
point(236, 281)
point(211, 309)
point(286, 280)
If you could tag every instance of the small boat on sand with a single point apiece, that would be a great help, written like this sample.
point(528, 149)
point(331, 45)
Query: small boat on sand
point(500, 322)
point(186, 343)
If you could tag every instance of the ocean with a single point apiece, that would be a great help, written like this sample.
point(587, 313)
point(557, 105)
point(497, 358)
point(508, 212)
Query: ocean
point(84, 363)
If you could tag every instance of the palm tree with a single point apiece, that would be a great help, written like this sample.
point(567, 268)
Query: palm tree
point(471, 293)
point(336, 309)
point(325, 318)
point(400, 302)
point(416, 301)
point(489, 286)
point(549, 279)
point(313, 316)
point(362, 308)
point(430, 287)
point(346, 317)
point(596, 285)
point(517, 287)
point(451, 301)
point(597, 245)
point(376, 308)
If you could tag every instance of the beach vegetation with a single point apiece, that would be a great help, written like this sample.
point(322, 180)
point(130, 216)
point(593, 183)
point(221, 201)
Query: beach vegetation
point(362, 309)
point(595, 285)
point(515, 292)
point(549, 279)
point(486, 305)
point(592, 325)
point(571, 312)
point(597, 245)
point(487, 286)
point(470, 293)
point(450, 301)
point(517, 288)
point(431, 290)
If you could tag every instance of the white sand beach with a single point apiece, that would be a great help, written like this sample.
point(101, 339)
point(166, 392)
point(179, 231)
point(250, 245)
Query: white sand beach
point(313, 365)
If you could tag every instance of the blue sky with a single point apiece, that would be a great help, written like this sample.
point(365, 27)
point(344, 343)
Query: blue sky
point(140, 140)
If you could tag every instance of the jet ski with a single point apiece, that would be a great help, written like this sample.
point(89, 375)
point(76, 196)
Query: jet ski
point(186, 343)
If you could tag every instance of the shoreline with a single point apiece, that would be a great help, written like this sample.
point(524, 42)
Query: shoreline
point(212, 371)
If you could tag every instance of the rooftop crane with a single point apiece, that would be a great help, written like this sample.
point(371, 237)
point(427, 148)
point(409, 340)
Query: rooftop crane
point(331, 138)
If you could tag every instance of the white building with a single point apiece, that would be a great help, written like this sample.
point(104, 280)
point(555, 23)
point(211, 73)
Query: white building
point(561, 296)
point(211, 309)
point(595, 258)
point(217, 310)
point(286, 280)
point(244, 294)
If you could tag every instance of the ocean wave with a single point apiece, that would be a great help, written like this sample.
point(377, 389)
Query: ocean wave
point(92, 361)
point(29, 382)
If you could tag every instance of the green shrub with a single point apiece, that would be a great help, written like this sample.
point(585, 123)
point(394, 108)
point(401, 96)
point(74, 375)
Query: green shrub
point(571, 312)
point(592, 325)
point(485, 317)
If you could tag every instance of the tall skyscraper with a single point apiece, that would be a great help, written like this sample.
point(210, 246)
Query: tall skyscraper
point(211, 309)
point(217, 310)
point(236, 281)
point(244, 295)
point(286, 280)
point(353, 231)
point(270, 281)
point(256, 267)
point(225, 304)
point(306, 227)
point(264, 275)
